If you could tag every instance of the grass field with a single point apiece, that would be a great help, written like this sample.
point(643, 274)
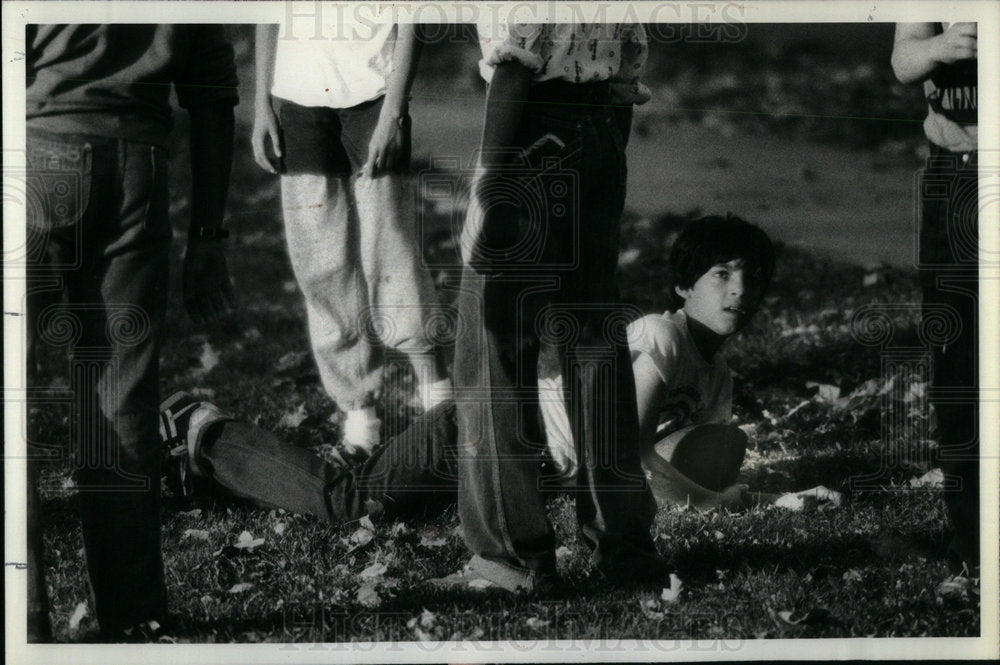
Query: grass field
point(822, 408)
point(811, 395)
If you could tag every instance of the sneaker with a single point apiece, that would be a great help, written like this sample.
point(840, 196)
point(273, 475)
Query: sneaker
point(183, 421)
point(481, 575)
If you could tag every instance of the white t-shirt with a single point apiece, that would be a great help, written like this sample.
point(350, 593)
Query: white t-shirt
point(349, 66)
point(696, 392)
point(574, 52)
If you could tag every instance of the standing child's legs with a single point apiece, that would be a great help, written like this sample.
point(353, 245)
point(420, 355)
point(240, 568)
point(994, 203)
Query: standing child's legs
point(563, 294)
point(322, 230)
point(949, 244)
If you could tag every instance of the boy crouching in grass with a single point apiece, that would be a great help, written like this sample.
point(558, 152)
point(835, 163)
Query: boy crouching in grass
point(720, 269)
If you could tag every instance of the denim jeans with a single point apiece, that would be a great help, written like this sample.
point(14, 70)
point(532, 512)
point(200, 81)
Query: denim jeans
point(540, 270)
point(98, 236)
point(354, 247)
point(949, 278)
point(414, 474)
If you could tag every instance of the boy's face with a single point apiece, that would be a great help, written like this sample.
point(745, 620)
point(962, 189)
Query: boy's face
point(724, 298)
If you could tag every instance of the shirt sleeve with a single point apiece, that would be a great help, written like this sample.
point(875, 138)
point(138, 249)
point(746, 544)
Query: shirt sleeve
point(656, 338)
point(209, 73)
point(510, 42)
point(626, 86)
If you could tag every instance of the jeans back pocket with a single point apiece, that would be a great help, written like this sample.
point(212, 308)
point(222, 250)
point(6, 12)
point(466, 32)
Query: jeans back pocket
point(58, 182)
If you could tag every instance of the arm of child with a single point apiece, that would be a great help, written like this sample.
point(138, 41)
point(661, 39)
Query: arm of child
point(265, 123)
point(208, 290)
point(504, 105)
point(668, 485)
point(917, 51)
point(387, 148)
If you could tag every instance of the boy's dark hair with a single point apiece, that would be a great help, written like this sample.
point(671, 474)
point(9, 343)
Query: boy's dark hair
point(712, 240)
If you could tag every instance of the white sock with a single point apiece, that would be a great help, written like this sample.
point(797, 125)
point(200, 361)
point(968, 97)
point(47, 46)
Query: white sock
point(432, 394)
point(362, 428)
point(558, 435)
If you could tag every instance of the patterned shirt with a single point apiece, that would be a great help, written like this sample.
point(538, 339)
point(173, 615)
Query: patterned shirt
point(574, 52)
point(952, 104)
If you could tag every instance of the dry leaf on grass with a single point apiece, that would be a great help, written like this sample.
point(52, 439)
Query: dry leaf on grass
point(241, 587)
point(673, 593)
point(367, 596)
point(535, 623)
point(361, 537)
point(814, 616)
point(293, 419)
point(431, 539)
point(247, 542)
point(373, 571)
point(79, 612)
point(195, 534)
point(208, 359)
point(933, 479)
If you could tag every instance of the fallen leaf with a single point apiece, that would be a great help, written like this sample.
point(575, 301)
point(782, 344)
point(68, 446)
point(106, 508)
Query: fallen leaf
point(366, 523)
point(673, 593)
point(852, 575)
point(932, 479)
point(825, 392)
point(362, 536)
point(293, 419)
point(248, 542)
point(291, 360)
point(812, 617)
point(628, 257)
point(252, 333)
point(399, 530)
point(78, 614)
point(428, 619)
point(373, 571)
point(191, 513)
point(367, 596)
point(195, 534)
point(209, 358)
point(535, 623)
point(427, 539)
point(871, 279)
point(280, 527)
point(953, 586)
point(241, 587)
point(562, 552)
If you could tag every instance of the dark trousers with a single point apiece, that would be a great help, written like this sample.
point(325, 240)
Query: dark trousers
point(949, 278)
point(98, 239)
point(540, 266)
point(415, 474)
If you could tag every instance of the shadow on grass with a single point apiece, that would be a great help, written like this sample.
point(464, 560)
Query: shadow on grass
point(820, 557)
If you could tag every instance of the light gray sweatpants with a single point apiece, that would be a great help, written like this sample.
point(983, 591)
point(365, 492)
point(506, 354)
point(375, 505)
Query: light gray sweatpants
point(355, 253)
